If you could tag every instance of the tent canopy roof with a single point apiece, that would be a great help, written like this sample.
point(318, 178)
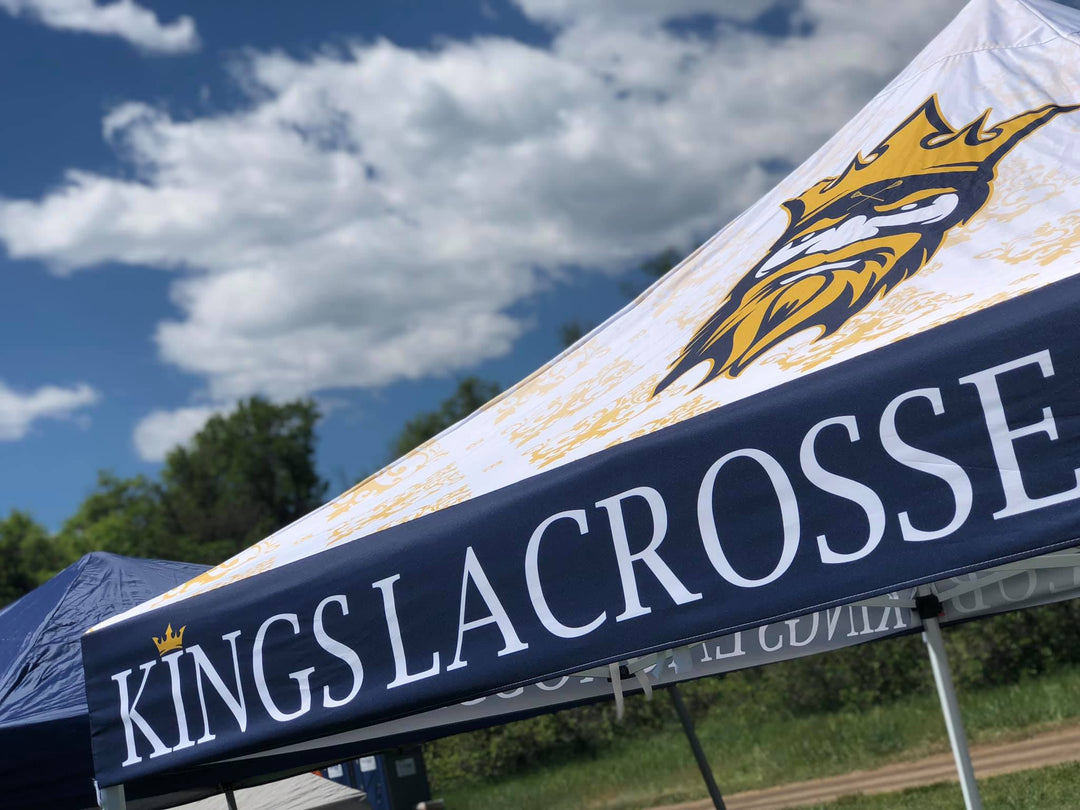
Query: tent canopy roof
point(865, 383)
point(41, 676)
point(44, 723)
point(304, 792)
point(645, 369)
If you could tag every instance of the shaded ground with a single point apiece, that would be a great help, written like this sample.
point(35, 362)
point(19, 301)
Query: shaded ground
point(989, 760)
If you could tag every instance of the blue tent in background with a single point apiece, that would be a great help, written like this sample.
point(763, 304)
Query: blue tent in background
point(44, 726)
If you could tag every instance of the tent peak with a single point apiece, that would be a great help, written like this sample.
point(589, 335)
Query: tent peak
point(1064, 20)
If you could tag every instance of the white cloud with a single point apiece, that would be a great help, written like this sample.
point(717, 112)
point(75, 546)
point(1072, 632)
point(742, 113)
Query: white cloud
point(620, 12)
point(19, 411)
point(131, 22)
point(375, 211)
point(161, 431)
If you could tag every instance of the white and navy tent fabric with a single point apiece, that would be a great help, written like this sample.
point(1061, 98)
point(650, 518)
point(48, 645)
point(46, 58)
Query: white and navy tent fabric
point(867, 382)
point(304, 792)
point(44, 727)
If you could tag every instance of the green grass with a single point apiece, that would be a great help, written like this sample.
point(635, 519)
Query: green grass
point(1055, 788)
point(749, 750)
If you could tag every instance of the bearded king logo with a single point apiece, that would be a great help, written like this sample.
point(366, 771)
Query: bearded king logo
point(855, 237)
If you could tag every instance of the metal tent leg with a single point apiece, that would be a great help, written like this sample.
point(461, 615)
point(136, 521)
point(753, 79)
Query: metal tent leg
point(112, 798)
point(695, 746)
point(939, 661)
point(230, 798)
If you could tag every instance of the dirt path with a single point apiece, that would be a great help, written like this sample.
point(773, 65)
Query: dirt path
point(989, 760)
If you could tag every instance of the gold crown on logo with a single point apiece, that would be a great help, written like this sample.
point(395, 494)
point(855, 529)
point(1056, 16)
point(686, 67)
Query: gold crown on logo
point(926, 143)
point(169, 641)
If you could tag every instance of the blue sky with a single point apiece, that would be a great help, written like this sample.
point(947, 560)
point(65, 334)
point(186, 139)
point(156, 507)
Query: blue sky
point(363, 201)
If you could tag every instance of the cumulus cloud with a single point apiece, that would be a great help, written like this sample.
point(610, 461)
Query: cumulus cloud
point(620, 12)
point(374, 212)
point(131, 22)
point(19, 411)
point(162, 430)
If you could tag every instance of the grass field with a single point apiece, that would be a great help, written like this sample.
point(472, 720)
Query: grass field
point(747, 752)
point(1056, 788)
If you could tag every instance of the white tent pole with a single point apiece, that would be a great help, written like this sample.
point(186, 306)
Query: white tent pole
point(112, 798)
point(929, 608)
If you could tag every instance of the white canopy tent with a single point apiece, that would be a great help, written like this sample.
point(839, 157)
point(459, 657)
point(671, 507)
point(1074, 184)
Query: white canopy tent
point(304, 792)
point(854, 396)
point(1024, 584)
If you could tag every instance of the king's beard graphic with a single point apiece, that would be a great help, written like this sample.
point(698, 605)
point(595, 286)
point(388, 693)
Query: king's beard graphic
point(855, 237)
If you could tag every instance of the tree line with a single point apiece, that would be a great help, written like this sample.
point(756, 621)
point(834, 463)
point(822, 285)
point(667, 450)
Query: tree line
point(242, 477)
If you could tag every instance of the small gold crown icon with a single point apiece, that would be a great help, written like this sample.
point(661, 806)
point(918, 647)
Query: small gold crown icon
point(170, 642)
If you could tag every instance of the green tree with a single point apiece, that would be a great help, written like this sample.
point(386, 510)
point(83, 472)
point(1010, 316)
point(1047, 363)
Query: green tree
point(572, 331)
point(242, 477)
point(28, 556)
point(660, 264)
point(124, 516)
point(647, 272)
point(471, 393)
